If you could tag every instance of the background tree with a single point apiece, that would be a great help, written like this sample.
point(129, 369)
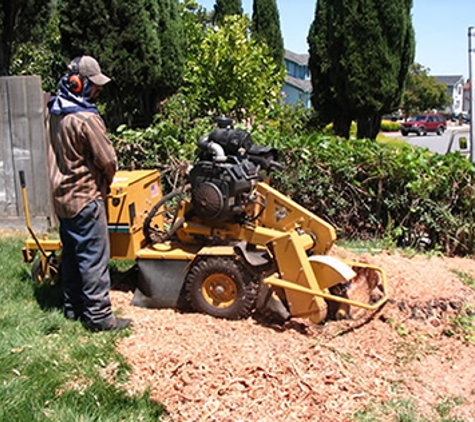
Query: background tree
point(21, 21)
point(266, 28)
point(423, 92)
point(139, 43)
point(232, 74)
point(172, 43)
point(41, 58)
point(194, 19)
point(224, 8)
point(358, 62)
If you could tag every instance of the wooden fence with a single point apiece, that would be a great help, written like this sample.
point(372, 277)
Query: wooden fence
point(23, 147)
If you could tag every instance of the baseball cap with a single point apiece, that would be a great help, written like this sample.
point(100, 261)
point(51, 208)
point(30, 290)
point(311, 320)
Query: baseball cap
point(88, 67)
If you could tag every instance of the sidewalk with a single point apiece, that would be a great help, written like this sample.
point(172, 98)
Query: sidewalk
point(455, 125)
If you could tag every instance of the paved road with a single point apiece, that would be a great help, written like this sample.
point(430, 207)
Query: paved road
point(434, 142)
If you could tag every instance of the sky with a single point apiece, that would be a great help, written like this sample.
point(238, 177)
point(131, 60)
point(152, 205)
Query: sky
point(441, 28)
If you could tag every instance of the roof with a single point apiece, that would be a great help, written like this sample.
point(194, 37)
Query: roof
point(301, 59)
point(449, 80)
point(303, 85)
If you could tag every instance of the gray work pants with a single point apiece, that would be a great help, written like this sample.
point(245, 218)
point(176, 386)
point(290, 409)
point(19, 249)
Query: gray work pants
point(85, 266)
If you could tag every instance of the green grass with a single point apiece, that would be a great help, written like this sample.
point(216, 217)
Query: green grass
point(445, 406)
point(390, 141)
point(465, 277)
point(405, 410)
point(394, 410)
point(412, 349)
point(52, 369)
point(463, 324)
point(361, 246)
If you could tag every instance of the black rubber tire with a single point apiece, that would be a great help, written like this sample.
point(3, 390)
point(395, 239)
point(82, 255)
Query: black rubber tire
point(221, 287)
point(36, 273)
point(50, 276)
point(163, 207)
point(422, 131)
point(440, 130)
point(404, 132)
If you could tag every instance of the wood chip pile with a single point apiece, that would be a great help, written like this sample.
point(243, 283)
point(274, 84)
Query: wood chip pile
point(206, 369)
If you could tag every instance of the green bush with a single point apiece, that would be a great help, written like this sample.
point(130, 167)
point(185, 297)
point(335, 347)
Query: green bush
point(328, 129)
point(386, 126)
point(390, 126)
point(166, 145)
point(366, 189)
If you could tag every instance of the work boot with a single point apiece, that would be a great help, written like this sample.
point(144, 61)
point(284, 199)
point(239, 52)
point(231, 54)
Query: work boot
point(116, 325)
point(71, 315)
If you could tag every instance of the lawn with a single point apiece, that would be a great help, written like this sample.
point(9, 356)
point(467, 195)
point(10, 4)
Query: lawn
point(51, 368)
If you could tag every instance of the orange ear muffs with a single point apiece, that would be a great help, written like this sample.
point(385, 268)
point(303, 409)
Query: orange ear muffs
point(75, 84)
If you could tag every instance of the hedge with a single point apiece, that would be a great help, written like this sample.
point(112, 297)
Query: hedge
point(363, 188)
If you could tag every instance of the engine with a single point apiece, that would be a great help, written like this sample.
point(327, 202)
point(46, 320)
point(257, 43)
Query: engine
point(223, 178)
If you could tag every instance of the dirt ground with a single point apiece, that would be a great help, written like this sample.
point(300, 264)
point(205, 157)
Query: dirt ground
point(206, 369)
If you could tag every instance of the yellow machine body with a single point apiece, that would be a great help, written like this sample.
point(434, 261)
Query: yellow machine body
point(288, 232)
point(132, 195)
point(287, 251)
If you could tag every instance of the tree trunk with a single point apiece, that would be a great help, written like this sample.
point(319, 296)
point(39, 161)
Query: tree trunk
point(342, 125)
point(369, 126)
point(3, 64)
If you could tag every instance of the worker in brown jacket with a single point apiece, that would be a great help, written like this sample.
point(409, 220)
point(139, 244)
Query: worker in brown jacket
point(82, 165)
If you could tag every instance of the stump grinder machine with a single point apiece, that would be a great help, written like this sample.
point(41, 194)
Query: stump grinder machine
point(225, 243)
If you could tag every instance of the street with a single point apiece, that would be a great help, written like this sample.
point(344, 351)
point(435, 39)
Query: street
point(434, 142)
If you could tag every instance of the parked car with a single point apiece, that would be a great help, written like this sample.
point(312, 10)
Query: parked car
point(394, 116)
point(423, 123)
point(460, 117)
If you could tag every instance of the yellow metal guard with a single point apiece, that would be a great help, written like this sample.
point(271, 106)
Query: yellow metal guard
point(46, 246)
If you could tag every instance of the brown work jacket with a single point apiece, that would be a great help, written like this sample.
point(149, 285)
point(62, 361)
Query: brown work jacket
point(82, 161)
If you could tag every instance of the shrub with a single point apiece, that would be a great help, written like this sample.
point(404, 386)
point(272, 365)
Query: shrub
point(328, 130)
point(390, 126)
point(368, 190)
point(164, 146)
point(364, 188)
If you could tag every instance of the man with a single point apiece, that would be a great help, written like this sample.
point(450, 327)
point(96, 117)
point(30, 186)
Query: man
point(82, 166)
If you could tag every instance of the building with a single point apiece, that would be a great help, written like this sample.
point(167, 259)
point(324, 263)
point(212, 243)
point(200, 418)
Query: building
point(455, 90)
point(297, 87)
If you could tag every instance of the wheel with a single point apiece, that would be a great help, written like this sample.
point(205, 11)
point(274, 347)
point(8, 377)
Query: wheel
point(440, 130)
point(51, 273)
point(161, 223)
point(221, 287)
point(404, 132)
point(422, 131)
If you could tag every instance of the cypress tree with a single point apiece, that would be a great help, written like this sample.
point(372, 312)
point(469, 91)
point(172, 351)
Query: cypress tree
point(360, 53)
point(224, 8)
point(172, 53)
point(266, 28)
point(20, 21)
point(136, 42)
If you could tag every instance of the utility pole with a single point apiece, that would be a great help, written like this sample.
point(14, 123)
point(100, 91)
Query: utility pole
point(471, 70)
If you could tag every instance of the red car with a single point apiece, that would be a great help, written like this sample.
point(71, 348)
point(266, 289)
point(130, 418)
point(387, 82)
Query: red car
point(423, 123)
